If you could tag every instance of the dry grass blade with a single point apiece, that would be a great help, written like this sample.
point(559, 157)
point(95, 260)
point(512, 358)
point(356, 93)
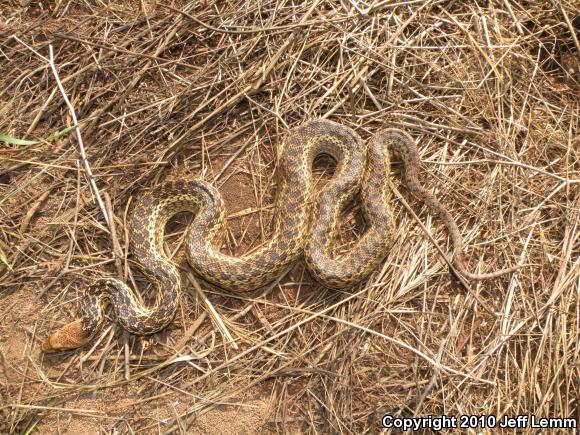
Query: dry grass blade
point(489, 91)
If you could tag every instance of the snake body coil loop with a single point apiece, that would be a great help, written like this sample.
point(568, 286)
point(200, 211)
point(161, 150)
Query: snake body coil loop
point(297, 230)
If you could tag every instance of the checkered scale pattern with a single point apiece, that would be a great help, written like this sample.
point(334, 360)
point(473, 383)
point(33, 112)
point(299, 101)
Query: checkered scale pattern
point(305, 224)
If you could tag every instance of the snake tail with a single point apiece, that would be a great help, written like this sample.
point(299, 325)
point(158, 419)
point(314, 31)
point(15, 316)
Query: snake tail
point(402, 143)
point(305, 223)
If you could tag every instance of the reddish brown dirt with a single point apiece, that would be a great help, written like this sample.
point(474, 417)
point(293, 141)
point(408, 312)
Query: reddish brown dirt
point(488, 90)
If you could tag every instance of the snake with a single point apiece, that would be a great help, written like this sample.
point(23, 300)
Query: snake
point(305, 225)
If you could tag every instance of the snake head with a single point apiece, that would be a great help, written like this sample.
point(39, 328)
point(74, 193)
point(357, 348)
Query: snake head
point(70, 336)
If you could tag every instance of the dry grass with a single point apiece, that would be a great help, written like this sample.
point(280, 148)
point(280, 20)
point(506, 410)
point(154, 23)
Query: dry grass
point(488, 89)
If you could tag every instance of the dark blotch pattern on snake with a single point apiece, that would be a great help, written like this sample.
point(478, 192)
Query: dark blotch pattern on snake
point(303, 224)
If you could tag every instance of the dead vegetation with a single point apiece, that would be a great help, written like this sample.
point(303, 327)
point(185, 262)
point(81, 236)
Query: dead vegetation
point(489, 90)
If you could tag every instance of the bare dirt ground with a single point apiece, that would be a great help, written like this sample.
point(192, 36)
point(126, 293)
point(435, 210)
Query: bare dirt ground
point(488, 90)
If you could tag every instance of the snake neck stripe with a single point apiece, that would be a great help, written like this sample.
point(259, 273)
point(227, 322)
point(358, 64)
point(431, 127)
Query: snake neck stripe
point(303, 224)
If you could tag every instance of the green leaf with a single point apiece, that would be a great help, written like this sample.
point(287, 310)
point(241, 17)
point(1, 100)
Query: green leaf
point(60, 133)
point(15, 141)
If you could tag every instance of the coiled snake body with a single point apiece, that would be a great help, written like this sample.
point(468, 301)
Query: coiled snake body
point(360, 168)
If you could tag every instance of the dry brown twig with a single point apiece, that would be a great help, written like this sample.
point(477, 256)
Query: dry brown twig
point(208, 90)
point(80, 144)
